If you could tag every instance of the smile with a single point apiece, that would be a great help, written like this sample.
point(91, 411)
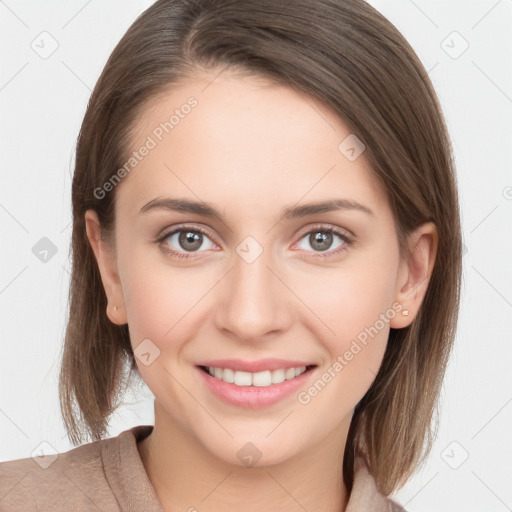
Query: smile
point(259, 379)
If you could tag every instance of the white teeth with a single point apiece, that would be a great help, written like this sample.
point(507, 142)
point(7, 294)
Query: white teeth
point(260, 379)
point(289, 374)
point(278, 376)
point(228, 375)
point(241, 378)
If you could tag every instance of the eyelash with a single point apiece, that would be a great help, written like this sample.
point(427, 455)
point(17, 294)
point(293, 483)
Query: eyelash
point(348, 241)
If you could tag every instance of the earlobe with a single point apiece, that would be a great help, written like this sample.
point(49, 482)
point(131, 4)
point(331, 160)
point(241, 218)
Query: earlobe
point(414, 274)
point(105, 258)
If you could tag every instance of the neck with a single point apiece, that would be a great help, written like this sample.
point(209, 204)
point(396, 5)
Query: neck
point(186, 476)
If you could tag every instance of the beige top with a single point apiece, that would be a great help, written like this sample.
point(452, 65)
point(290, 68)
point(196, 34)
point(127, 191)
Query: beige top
point(109, 475)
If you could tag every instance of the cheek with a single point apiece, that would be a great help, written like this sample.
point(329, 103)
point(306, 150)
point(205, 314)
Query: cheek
point(352, 311)
point(347, 300)
point(160, 307)
point(157, 295)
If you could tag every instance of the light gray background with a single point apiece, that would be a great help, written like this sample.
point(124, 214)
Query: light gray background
point(42, 103)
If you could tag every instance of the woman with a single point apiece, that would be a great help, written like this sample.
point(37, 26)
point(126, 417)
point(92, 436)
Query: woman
point(266, 231)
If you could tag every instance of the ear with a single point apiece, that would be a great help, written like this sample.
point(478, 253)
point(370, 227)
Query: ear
point(105, 256)
point(414, 273)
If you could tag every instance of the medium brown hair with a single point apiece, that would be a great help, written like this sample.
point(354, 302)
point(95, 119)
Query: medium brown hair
point(347, 55)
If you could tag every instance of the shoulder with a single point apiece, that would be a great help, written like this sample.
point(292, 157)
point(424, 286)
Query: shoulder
point(365, 495)
point(74, 478)
point(395, 507)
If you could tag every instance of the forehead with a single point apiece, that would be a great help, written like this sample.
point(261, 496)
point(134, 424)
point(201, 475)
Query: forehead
point(226, 137)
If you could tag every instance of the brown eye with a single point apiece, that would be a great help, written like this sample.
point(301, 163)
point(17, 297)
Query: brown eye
point(320, 241)
point(182, 241)
point(190, 240)
point(328, 240)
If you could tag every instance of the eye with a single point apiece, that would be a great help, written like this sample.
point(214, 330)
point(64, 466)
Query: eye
point(321, 240)
point(181, 241)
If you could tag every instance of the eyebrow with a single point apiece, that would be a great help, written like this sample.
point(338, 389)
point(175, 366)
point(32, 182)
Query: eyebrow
point(288, 212)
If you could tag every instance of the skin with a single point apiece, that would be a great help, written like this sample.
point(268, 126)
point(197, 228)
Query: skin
point(252, 148)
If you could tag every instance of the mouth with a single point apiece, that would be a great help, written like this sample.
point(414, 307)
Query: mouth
point(254, 384)
point(262, 379)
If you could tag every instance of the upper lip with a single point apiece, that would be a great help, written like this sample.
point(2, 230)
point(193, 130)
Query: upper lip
point(255, 366)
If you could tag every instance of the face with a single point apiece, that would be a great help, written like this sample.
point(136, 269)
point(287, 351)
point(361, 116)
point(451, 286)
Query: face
point(313, 288)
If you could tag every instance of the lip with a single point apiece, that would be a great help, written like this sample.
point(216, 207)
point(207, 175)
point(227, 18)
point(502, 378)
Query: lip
point(253, 397)
point(255, 366)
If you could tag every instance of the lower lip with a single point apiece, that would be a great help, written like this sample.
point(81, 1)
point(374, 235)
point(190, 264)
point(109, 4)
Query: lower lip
point(254, 397)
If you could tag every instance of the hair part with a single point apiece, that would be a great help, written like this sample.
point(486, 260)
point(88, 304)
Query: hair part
point(352, 59)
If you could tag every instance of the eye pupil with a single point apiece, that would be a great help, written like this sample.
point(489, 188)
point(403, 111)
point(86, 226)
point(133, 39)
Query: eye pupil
point(321, 240)
point(193, 238)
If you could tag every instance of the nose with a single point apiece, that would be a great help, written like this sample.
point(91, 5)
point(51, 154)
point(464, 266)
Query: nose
point(254, 302)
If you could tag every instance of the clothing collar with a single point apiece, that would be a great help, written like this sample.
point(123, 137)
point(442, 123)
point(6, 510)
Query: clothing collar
point(130, 483)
